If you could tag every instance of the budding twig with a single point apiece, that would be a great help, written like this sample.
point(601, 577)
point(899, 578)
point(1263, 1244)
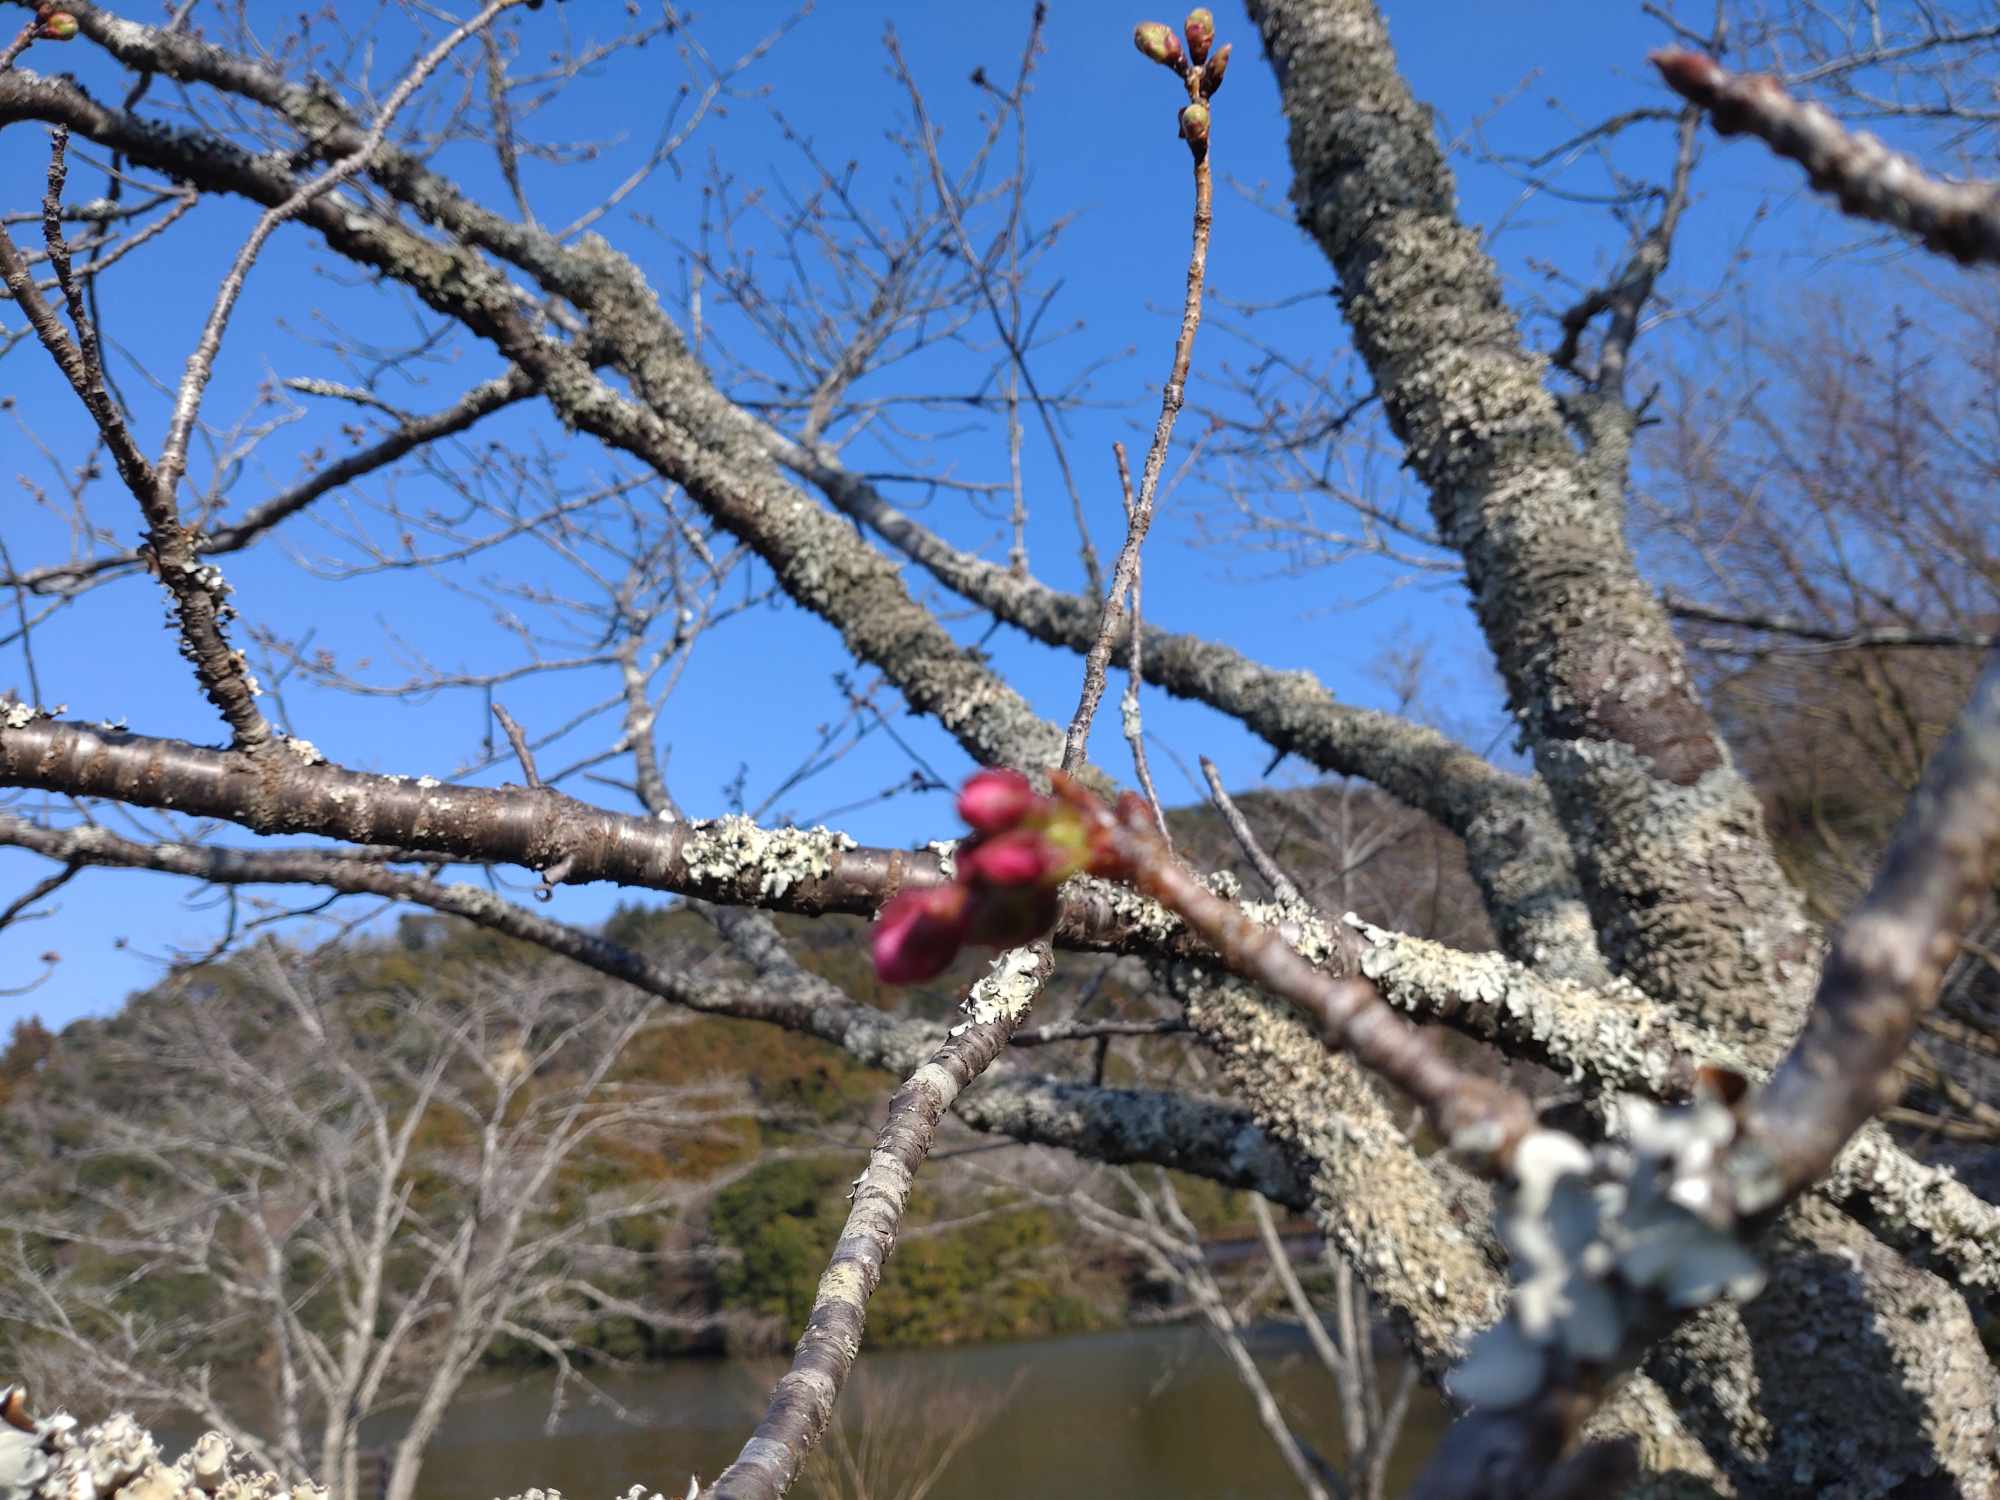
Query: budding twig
point(1139, 512)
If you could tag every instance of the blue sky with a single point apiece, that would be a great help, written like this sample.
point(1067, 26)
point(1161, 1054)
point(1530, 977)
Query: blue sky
point(1102, 124)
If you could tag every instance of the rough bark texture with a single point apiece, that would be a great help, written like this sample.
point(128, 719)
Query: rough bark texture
point(1420, 1249)
point(1686, 896)
point(1841, 1316)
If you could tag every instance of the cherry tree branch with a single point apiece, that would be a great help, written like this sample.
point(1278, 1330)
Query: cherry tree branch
point(1960, 219)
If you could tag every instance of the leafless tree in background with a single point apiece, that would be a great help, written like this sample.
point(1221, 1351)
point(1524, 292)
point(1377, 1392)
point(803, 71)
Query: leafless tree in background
point(1649, 940)
point(362, 1191)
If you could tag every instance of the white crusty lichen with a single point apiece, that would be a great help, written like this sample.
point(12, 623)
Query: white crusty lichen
point(1915, 1204)
point(735, 851)
point(18, 715)
point(55, 1459)
point(636, 1492)
point(1140, 914)
point(946, 851)
point(1613, 1035)
point(1597, 1238)
point(1007, 989)
point(23, 1464)
point(1299, 925)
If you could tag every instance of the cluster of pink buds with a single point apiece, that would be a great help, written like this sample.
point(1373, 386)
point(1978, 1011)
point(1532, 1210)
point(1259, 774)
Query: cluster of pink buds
point(54, 24)
point(1004, 890)
point(1201, 65)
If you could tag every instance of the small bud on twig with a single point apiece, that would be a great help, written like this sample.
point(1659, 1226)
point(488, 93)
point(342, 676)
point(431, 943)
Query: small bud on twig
point(1004, 888)
point(996, 801)
point(1157, 40)
point(57, 26)
point(1194, 129)
point(1200, 29)
point(1213, 69)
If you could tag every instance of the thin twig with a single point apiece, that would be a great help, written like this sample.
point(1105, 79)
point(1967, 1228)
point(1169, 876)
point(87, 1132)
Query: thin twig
point(519, 741)
point(479, 402)
point(23, 39)
point(1139, 514)
point(1281, 884)
point(1081, 1031)
point(948, 201)
point(201, 363)
point(1128, 703)
point(48, 885)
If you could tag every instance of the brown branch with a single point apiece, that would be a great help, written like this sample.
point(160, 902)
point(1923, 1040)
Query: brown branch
point(1139, 512)
point(727, 860)
point(1886, 962)
point(802, 1404)
point(1959, 219)
point(1821, 637)
point(199, 590)
point(519, 741)
point(1476, 1115)
point(1280, 883)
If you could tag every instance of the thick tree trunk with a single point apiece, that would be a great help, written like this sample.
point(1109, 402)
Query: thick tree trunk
point(1679, 875)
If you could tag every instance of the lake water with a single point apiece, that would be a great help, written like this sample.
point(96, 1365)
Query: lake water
point(1156, 1413)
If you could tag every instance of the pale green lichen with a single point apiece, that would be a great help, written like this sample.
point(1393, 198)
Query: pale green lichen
point(1912, 1204)
point(735, 851)
point(1007, 990)
point(1613, 1034)
point(1143, 915)
point(1596, 1237)
point(118, 1459)
point(1382, 1207)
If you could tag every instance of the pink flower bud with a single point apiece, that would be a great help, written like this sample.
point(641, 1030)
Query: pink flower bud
point(1016, 858)
point(995, 801)
point(1157, 40)
point(1200, 29)
point(917, 935)
point(57, 26)
point(1213, 69)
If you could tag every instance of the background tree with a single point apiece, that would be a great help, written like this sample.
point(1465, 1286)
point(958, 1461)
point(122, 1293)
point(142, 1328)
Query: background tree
point(362, 1188)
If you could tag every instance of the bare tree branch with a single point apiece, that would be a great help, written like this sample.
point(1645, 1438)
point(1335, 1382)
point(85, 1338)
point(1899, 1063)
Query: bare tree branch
point(1961, 219)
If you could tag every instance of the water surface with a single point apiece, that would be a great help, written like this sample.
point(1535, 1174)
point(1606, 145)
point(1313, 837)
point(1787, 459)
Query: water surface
point(1157, 1413)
